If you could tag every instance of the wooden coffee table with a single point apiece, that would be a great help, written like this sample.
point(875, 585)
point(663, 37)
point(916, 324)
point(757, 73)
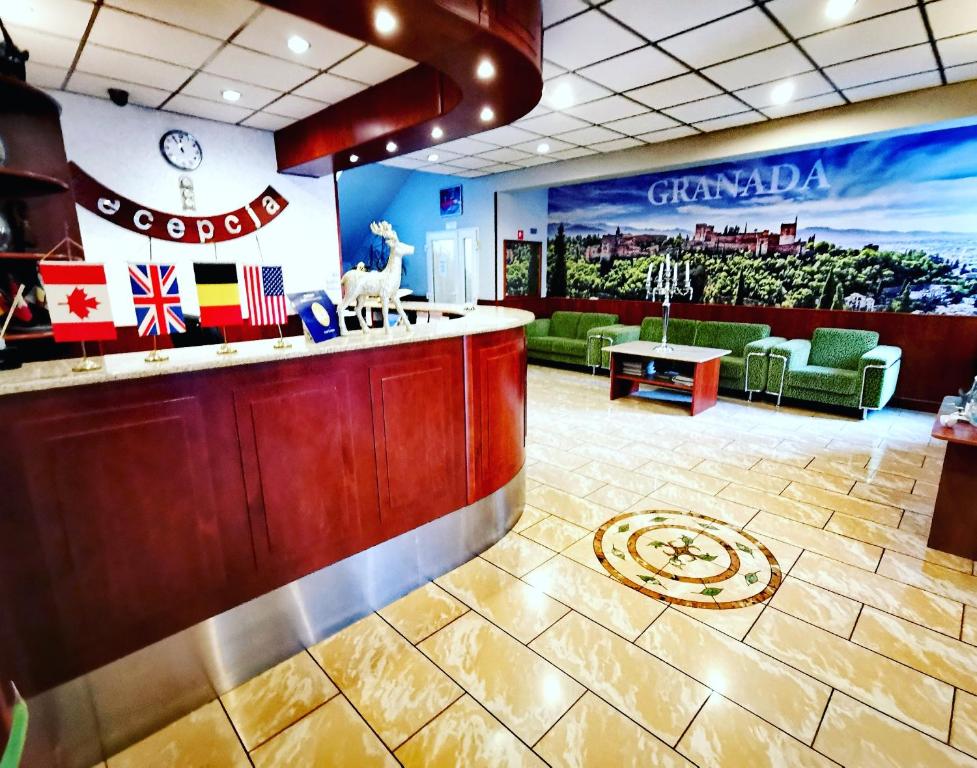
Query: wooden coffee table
point(954, 526)
point(701, 363)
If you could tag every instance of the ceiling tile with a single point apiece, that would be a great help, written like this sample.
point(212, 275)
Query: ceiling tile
point(668, 134)
point(952, 17)
point(885, 66)
point(372, 65)
point(267, 122)
point(96, 85)
point(472, 162)
point(617, 145)
point(586, 39)
point(404, 162)
point(270, 30)
point(465, 146)
point(706, 109)
point(960, 73)
point(806, 85)
point(897, 30)
point(958, 50)
point(257, 68)
point(470, 174)
point(640, 67)
point(116, 29)
point(773, 64)
point(570, 154)
point(211, 87)
point(590, 135)
point(730, 121)
point(44, 49)
point(447, 170)
point(675, 91)
point(68, 18)
point(570, 90)
point(656, 19)
point(295, 107)
point(444, 155)
point(732, 36)
point(539, 109)
point(806, 17)
point(500, 168)
point(557, 10)
point(505, 136)
point(889, 87)
point(212, 110)
point(555, 122)
point(329, 88)
point(605, 110)
point(555, 145)
point(529, 162)
point(634, 126)
point(504, 155)
point(551, 70)
point(796, 107)
point(45, 76)
point(218, 18)
point(108, 62)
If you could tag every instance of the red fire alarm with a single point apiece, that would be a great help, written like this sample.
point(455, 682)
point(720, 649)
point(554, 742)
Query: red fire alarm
point(519, 234)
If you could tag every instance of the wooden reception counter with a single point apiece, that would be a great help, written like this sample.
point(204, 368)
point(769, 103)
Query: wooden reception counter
point(147, 501)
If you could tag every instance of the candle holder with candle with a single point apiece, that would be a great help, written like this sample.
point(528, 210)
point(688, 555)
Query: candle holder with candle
point(666, 286)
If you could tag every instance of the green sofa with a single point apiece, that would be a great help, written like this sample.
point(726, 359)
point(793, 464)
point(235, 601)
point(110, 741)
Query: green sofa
point(837, 366)
point(744, 369)
point(562, 338)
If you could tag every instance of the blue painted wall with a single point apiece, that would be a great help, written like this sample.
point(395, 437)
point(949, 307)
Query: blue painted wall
point(364, 196)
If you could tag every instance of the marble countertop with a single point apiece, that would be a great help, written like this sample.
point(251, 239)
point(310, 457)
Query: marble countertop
point(54, 374)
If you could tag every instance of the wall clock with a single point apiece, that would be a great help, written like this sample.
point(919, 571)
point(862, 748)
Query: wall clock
point(181, 150)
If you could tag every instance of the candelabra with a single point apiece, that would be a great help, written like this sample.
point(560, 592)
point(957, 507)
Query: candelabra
point(666, 286)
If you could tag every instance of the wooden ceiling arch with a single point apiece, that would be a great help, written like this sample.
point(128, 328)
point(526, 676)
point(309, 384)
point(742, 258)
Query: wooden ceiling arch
point(449, 38)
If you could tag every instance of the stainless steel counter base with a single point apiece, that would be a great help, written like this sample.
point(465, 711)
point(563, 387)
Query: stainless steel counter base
point(78, 724)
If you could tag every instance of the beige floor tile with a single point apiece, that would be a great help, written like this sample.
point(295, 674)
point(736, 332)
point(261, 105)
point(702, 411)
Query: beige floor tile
point(333, 736)
point(520, 609)
point(855, 471)
point(571, 482)
point(778, 452)
point(870, 510)
point(202, 739)
point(728, 511)
point(858, 736)
point(621, 478)
point(904, 693)
point(595, 735)
point(618, 457)
point(778, 505)
point(558, 457)
point(785, 554)
point(530, 516)
point(530, 483)
point(686, 478)
point(609, 603)
point(664, 457)
point(769, 688)
point(583, 552)
point(735, 623)
point(728, 455)
point(896, 466)
point(817, 606)
point(812, 477)
point(391, 684)
point(275, 699)
point(655, 695)
point(925, 489)
point(465, 734)
point(916, 523)
point(931, 577)
point(823, 542)
point(880, 592)
point(576, 510)
point(963, 732)
point(555, 533)
point(423, 612)
point(517, 554)
point(746, 477)
point(937, 655)
point(725, 734)
point(893, 498)
point(525, 692)
point(614, 498)
point(970, 625)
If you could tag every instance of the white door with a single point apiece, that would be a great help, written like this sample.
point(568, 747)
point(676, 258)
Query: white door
point(453, 266)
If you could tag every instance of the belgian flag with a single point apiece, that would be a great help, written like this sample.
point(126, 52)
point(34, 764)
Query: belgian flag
point(217, 291)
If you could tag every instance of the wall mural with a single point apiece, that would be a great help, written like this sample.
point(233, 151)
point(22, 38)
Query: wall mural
point(523, 267)
point(882, 225)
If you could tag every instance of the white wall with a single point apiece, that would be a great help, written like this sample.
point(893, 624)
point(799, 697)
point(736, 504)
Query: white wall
point(120, 148)
point(523, 210)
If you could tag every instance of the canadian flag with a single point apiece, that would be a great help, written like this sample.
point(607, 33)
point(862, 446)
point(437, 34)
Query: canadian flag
point(78, 301)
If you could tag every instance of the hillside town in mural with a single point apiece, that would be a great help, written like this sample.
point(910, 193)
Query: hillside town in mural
point(881, 225)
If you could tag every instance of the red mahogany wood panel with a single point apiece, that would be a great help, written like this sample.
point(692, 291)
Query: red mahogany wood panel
point(939, 353)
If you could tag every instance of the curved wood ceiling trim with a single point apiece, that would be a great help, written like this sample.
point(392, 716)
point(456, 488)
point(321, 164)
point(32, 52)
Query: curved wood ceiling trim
point(449, 38)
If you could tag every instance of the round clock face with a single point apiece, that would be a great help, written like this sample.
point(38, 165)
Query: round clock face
point(181, 150)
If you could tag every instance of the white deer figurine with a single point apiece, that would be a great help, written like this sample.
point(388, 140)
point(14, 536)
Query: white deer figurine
point(360, 286)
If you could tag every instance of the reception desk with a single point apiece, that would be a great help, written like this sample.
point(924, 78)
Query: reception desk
point(169, 530)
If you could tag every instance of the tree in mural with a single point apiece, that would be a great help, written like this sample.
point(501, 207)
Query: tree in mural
point(828, 291)
point(558, 273)
point(740, 289)
point(522, 268)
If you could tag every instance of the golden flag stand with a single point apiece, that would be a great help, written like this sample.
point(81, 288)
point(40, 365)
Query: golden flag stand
point(225, 348)
point(156, 356)
point(281, 343)
point(86, 363)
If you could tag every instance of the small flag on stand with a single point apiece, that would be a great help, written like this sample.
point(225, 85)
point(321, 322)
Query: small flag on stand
point(156, 296)
point(265, 291)
point(220, 302)
point(78, 301)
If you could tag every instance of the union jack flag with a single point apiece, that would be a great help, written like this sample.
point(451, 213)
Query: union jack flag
point(156, 296)
point(265, 289)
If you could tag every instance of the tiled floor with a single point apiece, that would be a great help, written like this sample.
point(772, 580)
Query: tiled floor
point(538, 652)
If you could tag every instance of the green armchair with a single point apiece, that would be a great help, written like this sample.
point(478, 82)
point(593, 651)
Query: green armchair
point(745, 368)
point(837, 366)
point(679, 332)
point(563, 337)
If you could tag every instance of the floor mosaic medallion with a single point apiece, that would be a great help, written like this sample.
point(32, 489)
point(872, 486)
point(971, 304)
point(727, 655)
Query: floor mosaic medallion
point(687, 559)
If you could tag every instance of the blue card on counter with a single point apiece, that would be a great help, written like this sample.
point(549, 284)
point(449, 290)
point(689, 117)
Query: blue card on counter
point(318, 313)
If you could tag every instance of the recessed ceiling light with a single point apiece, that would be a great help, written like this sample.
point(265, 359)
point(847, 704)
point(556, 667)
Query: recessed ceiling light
point(543, 148)
point(486, 70)
point(298, 44)
point(391, 146)
point(230, 94)
point(384, 21)
point(562, 96)
point(354, 158)
point(782, 92)
point(487, 114)
point(433, 157)
point(838, 9)
point(436, 132)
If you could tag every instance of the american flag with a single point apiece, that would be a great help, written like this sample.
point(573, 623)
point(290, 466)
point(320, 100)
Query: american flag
point(156, 296)
point(265, 288)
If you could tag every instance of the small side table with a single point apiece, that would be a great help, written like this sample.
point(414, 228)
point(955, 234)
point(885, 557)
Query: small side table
point(954, 527)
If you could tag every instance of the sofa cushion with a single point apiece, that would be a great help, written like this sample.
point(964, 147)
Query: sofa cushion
point(731, 367)
point(555, 345)
point(590, 320)
point(824, 379)
point(841, 347)
point(564, 324)
point(732, 336)
point(679, 331)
